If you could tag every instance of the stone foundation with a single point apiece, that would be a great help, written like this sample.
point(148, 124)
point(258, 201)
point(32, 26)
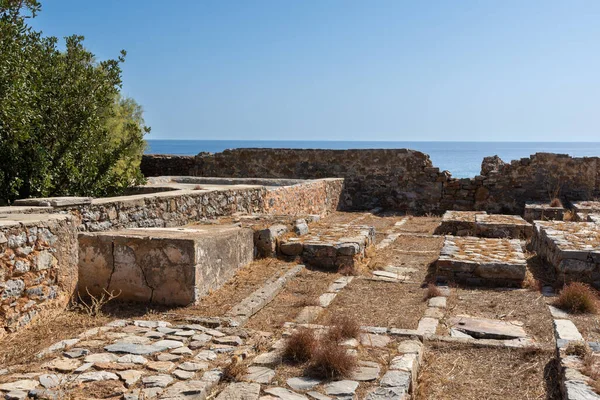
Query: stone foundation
point(481, 261)
point(167, 266)
point(543, 212)
point(38, 261)
point(571, 248)
point(479, 223)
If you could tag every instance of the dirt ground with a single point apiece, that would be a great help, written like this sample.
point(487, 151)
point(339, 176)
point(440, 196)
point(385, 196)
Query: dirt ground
point(303, 290)
point(452, 371)
point(588, 325)
point(420, 225)
point(246, 280)
point(522, 305)
point(373, 303)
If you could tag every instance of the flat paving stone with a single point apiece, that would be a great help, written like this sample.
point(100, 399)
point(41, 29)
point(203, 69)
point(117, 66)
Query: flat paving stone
point(285, 394)
point(97, 376)
point(161, 366)
point(182, 351)
point(130, 377)
point(566, 330)
point(396, 378)
point(366, 371)
point(483, 328)
point(76, 353)
point(341, 388)
point(16, 395)
point(427, 325)
point(101, 358)
point(63, 364)
point(24, 384)
point(130, 348)
point(206, 355)
point(373, 340)
point(404, 362)
point(229, 340)
point(132, 359)
point(192, 390)
point(240, 391)
point(318, 396)
point(193, 366)
point(387, 393)
point(438, 301)
point(169, 344)
point(50, 381)
point(259, 374)
point(303, 383)
point(157, 380)
point(326, 298)
point(183, 375)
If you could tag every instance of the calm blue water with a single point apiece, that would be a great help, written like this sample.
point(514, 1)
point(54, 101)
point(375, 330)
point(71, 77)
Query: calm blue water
point(462, 159)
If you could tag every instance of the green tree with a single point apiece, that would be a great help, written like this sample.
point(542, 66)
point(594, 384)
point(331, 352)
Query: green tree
point(65, 129)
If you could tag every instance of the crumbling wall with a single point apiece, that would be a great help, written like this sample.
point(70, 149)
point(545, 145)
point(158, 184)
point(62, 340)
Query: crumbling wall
point(314, 197)
point(38, 266)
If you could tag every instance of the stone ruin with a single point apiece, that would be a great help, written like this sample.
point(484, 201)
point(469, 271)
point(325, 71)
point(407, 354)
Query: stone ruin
point(180, 239)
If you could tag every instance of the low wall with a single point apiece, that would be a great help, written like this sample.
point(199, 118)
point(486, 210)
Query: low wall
point(38, 255)
point(404, 180)
point(313, 197)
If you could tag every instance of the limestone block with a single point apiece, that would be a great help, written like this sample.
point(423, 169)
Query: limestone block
point(162, 265)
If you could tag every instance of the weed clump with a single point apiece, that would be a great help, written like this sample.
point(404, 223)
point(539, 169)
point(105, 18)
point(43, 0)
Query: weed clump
point(343, 327)
point(234, 371)
point(578, 297)
point(431, 291)
point(331, 361)
point(555, 202)
point(300, 346)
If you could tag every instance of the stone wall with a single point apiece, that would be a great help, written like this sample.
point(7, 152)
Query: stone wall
point(390, 178)
point(403, 179)
point(313, 197)
point(38, 266)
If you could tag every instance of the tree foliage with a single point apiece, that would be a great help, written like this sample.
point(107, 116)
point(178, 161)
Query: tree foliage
point(65, 128)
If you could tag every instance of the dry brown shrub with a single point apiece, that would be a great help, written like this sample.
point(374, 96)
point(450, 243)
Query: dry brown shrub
point(431, 291)
point(531, 283)
point(300, 346)
point(577, 297)
point(579, 349)
point(330, 361)
point(555, 202)
point(235, 370)
point(343, 327)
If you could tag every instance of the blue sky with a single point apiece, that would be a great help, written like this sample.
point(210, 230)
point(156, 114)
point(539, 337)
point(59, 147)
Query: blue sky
point(514, 70)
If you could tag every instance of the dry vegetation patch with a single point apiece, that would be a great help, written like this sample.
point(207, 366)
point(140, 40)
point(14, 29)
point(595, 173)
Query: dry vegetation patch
point(578, 298)
point(374, 303)
point(456, 371)
point(420, 224)
point(521, 305)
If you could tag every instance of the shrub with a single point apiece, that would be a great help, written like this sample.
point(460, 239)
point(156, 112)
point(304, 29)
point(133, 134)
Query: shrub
point(556, 202)
point(343, 327)
point(431, 291)
point(235, 370)
point(331, 361)
point(65, 129)
point(300, 346)
point(577, 297)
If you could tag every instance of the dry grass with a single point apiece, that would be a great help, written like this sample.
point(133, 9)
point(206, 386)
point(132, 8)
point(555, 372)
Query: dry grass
point(47, 329)
point(331, 360)
point(455, 371)
point(530, 282)
point(431, 291)
point(343, 327)
point(300, 346)
point(578, 298)
point(569, 215)
point(556, 202)
point(375, 303)
point(579, 349)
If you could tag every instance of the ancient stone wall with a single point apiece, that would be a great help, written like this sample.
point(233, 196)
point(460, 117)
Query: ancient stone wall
point(313, 197)
point(403, 179)
point(390, 178)
point(38, 266)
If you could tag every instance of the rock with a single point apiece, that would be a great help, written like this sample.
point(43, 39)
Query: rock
point(409, 346)
point(318, 396)
point(366, 371)
point(25, 385)
point(182, 351)
point(439, 302)
point(139, 349)
point(97, 376)
point(229, 340)
point(50, 381)
point(326, 298)
point(168, 357)
point(300, 227)
point(157, 380)
point(285, 394)
point(483, 328)
point(206, 355)
point(213, 376)
point(458, 334)
point(166, 330)
point(221, 348)
point(565, 329)
point(130, 377)
point(132, 359)
point(270, 358)
point(240, 391)
point(396, 378)
point(152, 324)
point(387, 393)
point(341, 388)
point(433, 312)
point(154, 335)
point(185, 333)
point(135, 339)
point(63, 364)
point(302, 383)
point(203, 338)
point(183, 375)
point(291, 248)
point(101, 358)
point(76, 353)
point(192, 366)
point(84, 367)
point(371, 340)
point(405, 362)
point(187, 390)
point(16, 395)
point(214, 333)
point(259, 374)
point(427, 326)
point(168, 344)
point(160, 366)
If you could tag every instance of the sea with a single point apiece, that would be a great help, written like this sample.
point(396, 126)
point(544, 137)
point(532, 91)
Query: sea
point(462, 159)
